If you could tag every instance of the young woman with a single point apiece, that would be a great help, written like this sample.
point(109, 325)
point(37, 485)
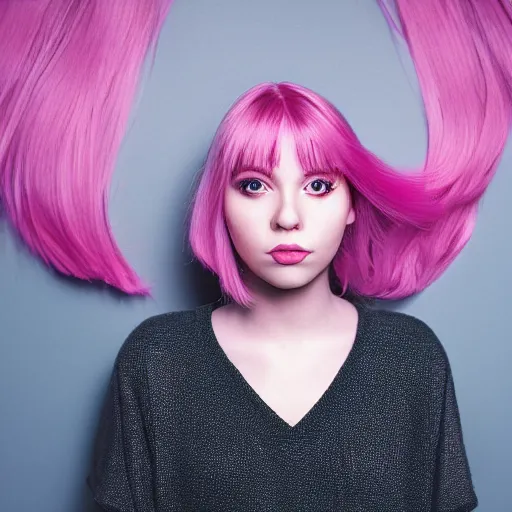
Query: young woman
point(293, 394)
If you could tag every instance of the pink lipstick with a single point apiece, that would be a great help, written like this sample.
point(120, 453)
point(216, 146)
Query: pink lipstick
point(288, 254)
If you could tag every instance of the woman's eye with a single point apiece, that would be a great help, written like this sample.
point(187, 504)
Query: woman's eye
point(251, 187)
point(254, 186)
point(321, 187)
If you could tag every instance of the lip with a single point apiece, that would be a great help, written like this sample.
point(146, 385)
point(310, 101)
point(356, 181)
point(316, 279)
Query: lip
point(285, 254)
point(288, 247)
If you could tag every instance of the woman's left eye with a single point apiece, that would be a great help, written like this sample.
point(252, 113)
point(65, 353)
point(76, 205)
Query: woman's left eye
point(321, 187)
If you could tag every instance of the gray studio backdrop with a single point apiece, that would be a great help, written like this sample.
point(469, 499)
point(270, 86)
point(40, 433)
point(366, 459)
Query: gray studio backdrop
point(59, 337)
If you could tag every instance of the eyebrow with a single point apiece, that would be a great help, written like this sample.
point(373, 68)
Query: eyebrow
point(269, 172)
point(252, 168)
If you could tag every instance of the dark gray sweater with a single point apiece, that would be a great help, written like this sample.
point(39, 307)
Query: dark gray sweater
point(181, 429)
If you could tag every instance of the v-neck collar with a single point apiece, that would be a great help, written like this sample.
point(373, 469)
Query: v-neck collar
point(270, 419)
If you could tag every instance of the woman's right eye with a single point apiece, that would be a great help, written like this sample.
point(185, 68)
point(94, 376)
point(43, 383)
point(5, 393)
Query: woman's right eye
point(251, 186)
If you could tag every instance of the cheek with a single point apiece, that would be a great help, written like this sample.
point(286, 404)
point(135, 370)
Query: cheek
point(329, 222)
point(242, 223)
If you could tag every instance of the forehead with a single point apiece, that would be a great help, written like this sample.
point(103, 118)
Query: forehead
point(287, 162)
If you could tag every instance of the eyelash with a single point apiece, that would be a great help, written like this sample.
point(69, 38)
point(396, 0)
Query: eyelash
point(329, 186)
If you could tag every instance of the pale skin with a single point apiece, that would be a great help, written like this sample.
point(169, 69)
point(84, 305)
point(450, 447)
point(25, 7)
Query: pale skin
point(292, 342)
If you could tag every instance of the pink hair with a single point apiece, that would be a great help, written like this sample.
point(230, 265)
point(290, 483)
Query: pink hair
point(69, 71)
point(409, 226)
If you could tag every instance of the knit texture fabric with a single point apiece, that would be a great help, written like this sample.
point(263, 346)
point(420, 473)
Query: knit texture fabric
point(182, 430)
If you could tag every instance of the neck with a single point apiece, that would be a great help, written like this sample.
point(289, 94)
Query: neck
point(277, 312)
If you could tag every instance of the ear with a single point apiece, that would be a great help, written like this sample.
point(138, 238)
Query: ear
point(351, 216)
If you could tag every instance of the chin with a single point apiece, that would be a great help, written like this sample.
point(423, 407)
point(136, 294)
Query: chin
point(290, 282)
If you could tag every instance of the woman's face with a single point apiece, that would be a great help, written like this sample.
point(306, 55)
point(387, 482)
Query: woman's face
point(264, 211)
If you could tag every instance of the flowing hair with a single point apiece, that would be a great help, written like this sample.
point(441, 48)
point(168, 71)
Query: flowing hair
point(69, 71)
point(409, 225)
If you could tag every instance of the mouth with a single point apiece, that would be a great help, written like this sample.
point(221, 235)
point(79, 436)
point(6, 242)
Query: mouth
point(288, 254)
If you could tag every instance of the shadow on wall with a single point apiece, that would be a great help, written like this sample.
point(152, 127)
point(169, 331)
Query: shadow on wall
point(185, 272)
point(90, 505)
point(203, 285)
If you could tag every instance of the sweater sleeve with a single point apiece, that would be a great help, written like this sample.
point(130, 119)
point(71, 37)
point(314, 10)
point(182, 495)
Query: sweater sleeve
point(120, 478)
point(453, 486)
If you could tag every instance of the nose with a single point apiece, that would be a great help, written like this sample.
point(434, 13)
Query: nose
point(287, 215)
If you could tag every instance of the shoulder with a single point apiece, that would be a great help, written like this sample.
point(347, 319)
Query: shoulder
point(407, 343)
point(155, 336)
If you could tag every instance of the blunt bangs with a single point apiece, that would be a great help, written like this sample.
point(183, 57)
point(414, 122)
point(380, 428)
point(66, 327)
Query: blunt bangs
point(250, 133)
